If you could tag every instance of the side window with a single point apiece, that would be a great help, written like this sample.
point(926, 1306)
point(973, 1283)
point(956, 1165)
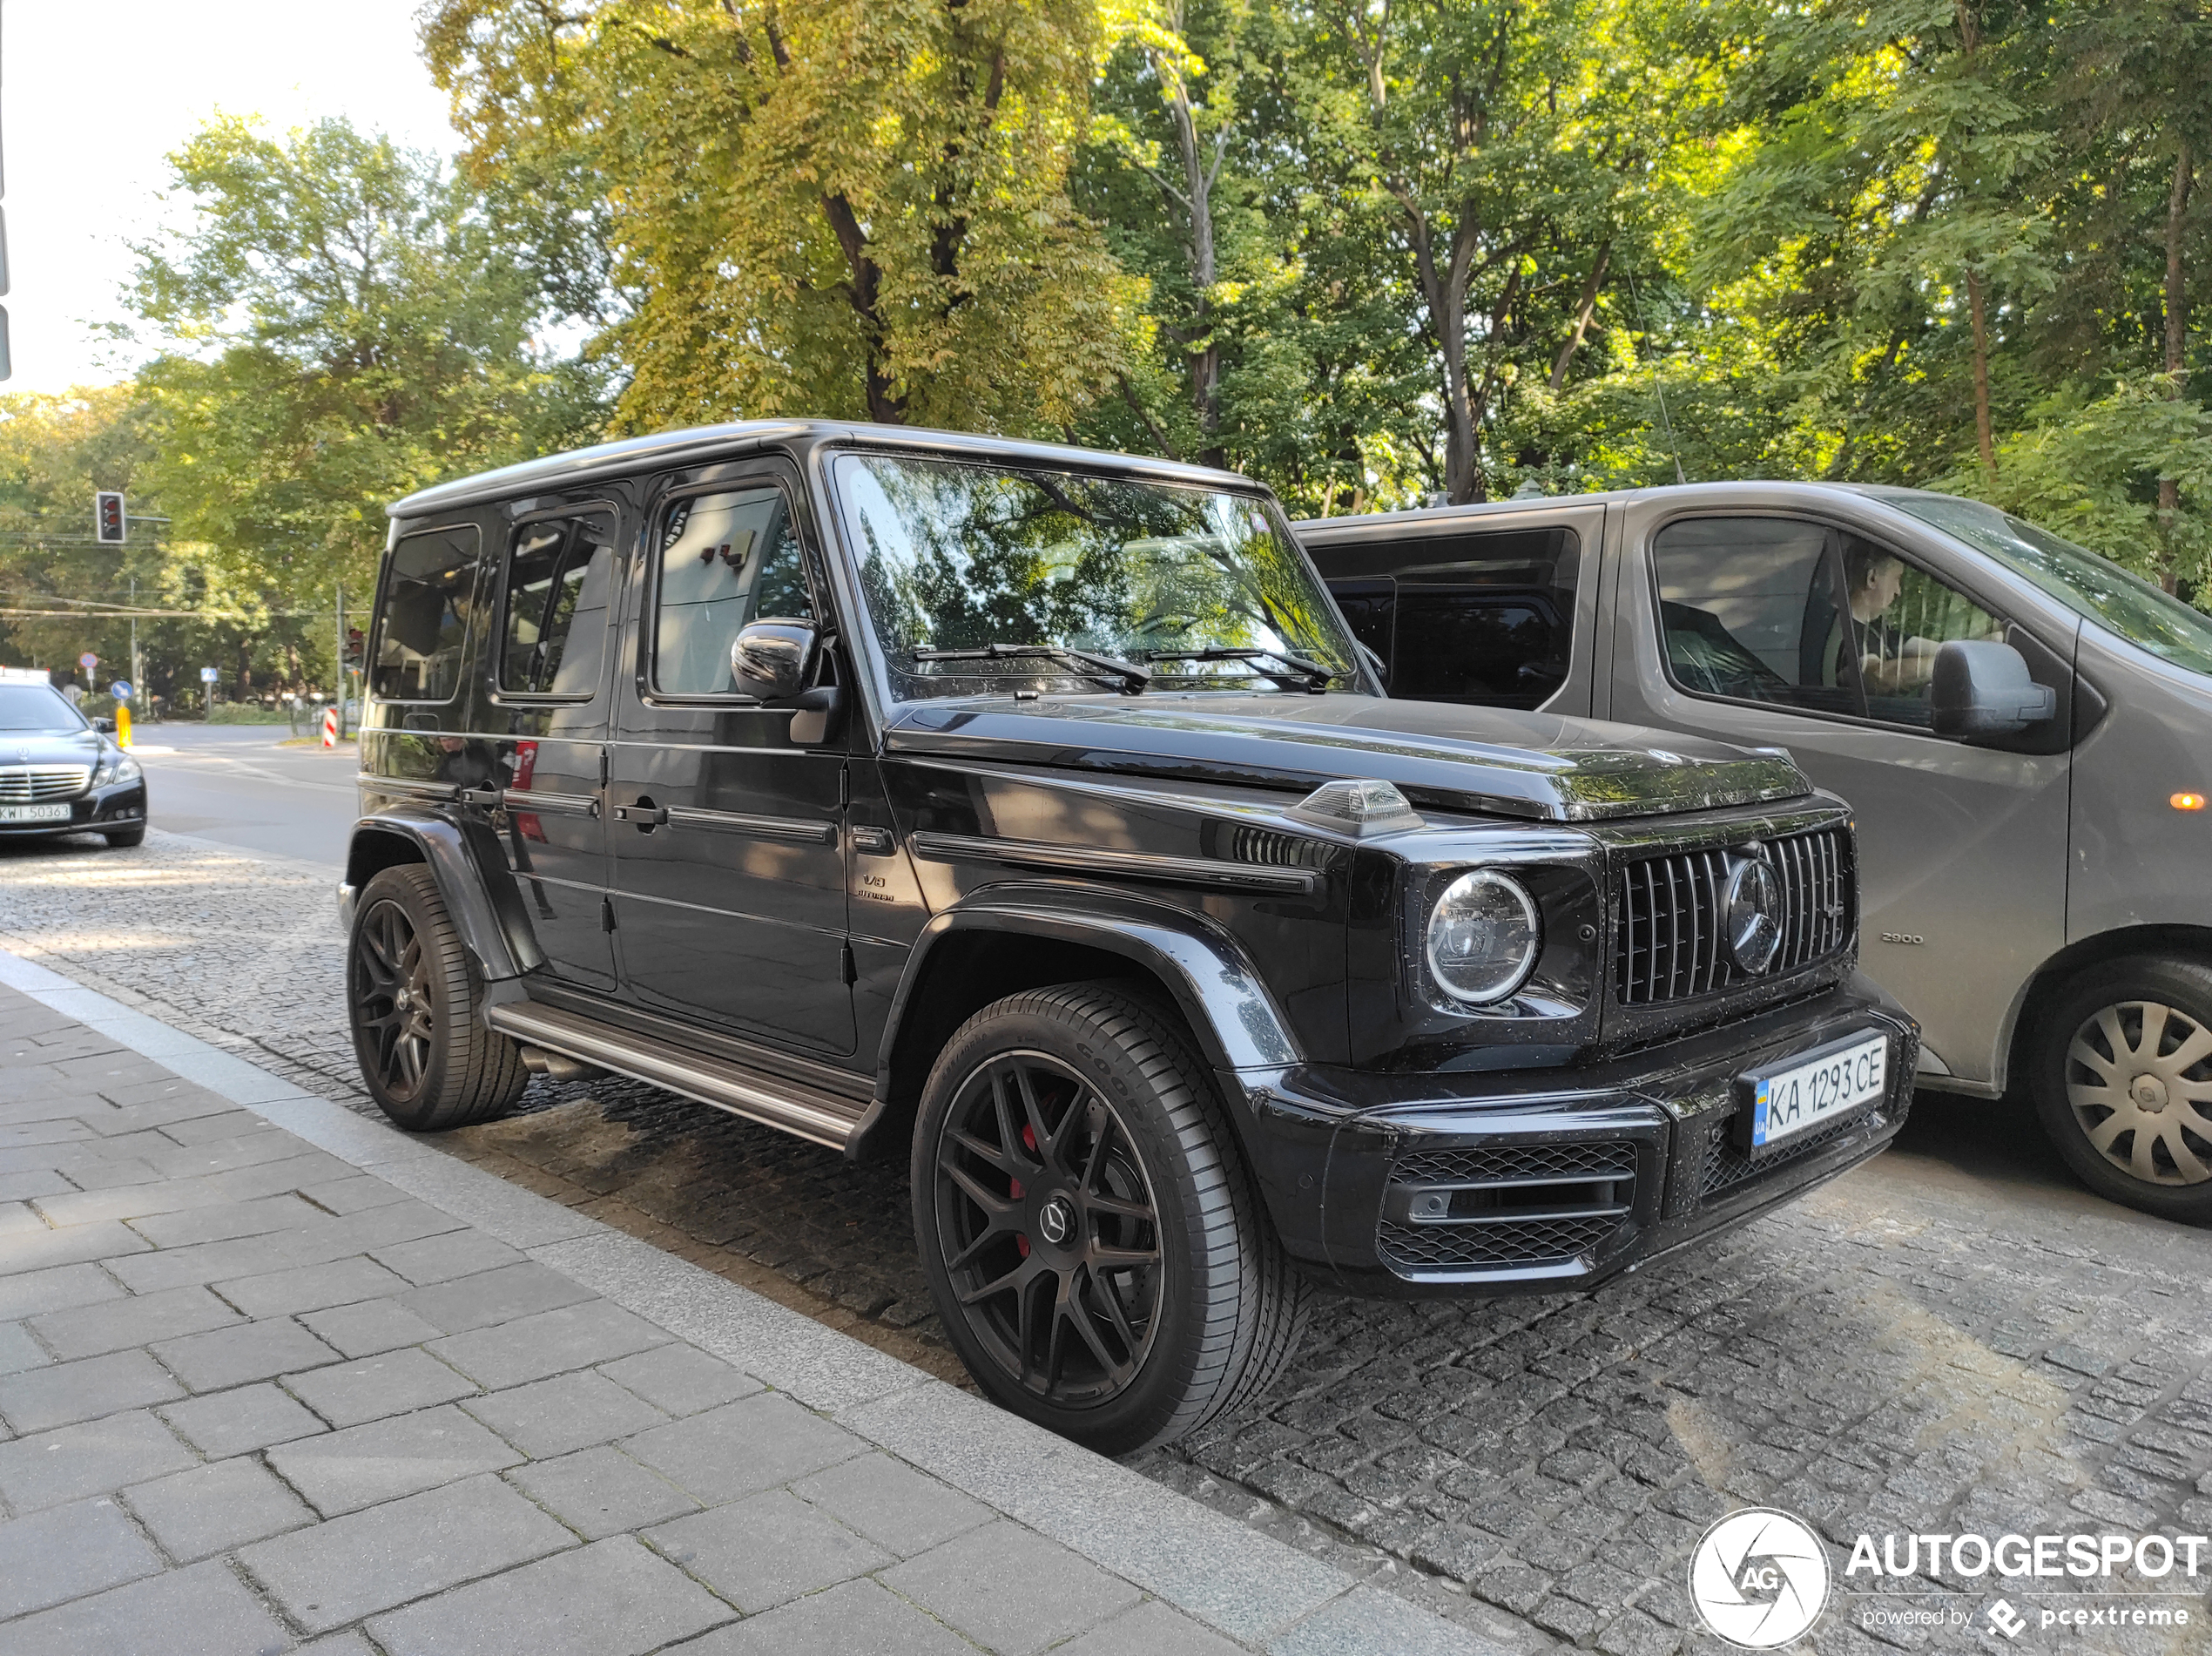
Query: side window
point(1899, 617)
point(1486, 618)
point(422, 637)
point(560, 582)
point(1748, 608)
point(726, 559)
point(1368, 606)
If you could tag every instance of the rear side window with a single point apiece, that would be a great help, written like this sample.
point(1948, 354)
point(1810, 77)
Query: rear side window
point(560, 581)
point(725, 560)
point(1487, 619)
point(429, 600)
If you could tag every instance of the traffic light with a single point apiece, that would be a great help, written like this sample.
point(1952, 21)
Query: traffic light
point(108, 521)
point(353, 644)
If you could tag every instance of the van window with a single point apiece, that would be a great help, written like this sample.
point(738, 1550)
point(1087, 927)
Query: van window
point(422, 637)
point(1773, 610)
point(560, 581)
point(1748, 608)
point(725, 560)
point(1482, 619)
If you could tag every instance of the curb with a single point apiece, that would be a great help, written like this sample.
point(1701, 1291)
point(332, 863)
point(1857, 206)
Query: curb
point(1249, 1586)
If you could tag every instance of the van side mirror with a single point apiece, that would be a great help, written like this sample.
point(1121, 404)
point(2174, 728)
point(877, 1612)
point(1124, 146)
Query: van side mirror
point(1982, 688)
point(772, 659)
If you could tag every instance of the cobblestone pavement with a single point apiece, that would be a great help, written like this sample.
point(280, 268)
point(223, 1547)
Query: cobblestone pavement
point(1954, 1339)
point(254, 1393)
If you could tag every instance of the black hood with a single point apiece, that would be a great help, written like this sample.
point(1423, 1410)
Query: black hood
point(1524, 765)
point(50, 748)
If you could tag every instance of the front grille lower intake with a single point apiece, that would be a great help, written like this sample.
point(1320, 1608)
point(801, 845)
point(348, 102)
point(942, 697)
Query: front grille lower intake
point(1667, 921)
point(1506, 1208)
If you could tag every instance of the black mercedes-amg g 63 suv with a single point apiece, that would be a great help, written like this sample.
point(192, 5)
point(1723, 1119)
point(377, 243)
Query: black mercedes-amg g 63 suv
point(1034, 814)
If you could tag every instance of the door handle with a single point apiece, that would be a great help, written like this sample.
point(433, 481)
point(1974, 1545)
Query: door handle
point(482, 795)
point(650, 816)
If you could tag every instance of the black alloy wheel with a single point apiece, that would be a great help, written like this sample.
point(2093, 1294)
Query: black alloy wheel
point(1048, 1228)
point(413, 999)
point(392, 1006)
point(2122, 1069)
point(1093, 1240)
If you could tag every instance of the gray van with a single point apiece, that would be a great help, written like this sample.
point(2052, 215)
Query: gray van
point(2024, 729)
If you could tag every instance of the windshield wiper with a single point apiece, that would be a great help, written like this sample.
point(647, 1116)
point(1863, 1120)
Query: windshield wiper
point(1130, 678)
point(1296, 668)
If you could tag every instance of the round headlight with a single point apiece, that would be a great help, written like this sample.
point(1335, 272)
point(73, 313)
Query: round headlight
point(1483, 936)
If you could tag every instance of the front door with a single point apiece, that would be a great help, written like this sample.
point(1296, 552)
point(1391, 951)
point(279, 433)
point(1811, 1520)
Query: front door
point(1772, 630)
point(729, 854)
point(552, 689)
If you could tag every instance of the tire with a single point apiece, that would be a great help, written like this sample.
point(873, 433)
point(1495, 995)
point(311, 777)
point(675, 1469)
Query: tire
point(2155, 1017)
point(1067, 1127)
point(412, 996)
point(124, 838)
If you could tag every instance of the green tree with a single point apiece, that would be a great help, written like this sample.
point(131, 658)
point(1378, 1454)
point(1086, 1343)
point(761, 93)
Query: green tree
point(855, 208)
point(344, 322)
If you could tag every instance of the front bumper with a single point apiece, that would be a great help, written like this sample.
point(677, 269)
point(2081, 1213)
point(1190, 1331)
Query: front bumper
point(120, 805)
point(1538, 1181)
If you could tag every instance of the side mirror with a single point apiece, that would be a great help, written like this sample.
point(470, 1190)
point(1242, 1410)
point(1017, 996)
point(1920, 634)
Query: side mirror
point(1982, 688)
point(772, 659)
point(106, 725)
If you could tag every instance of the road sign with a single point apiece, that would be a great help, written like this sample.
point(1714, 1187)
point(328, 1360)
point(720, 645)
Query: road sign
point(109, 522)
point(121, 690)
point(330, 726)
point(88, 661)
point(208, 675)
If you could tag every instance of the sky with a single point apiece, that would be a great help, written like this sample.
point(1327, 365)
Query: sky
point(93, 93)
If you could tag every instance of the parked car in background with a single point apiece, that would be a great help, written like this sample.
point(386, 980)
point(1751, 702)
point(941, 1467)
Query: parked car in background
point(2023, 729)
point(60, 773)
point(1030, 814)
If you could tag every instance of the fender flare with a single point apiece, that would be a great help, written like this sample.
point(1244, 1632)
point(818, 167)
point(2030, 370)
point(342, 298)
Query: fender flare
point(1233, 1018)
point(496, 933)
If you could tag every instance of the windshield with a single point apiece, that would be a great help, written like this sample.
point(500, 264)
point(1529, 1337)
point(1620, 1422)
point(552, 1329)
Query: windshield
point(2090, 584)
point(959, 556)
point(33, 706)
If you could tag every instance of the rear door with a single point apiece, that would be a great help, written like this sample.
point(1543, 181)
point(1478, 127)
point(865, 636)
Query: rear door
point(727, 834)
point(1778, 628)
point(552, 691)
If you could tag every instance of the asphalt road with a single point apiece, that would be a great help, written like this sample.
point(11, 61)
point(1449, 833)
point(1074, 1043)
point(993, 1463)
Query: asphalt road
point(247, 787)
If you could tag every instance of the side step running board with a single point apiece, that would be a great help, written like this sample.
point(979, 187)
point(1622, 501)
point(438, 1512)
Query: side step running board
point(821, 1117)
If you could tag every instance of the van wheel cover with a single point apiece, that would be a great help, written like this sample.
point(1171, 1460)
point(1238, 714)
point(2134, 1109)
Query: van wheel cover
point(1048, 1228)
point(2139, 1076)
point(394, 1005)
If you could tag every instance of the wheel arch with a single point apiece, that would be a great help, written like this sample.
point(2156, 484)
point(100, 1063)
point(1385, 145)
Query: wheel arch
point(2050, 979)
point(501, 943)
point(985, 949)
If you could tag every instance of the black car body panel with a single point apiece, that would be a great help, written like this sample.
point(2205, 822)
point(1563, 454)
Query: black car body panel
point(814, 893)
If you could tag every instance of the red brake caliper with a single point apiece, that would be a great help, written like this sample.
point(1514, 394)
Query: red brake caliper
point(1028, 1143)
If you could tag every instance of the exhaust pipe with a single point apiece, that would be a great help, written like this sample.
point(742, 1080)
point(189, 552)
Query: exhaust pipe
point(558, 1066)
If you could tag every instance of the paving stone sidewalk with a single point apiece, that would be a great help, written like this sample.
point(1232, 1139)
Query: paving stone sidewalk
point(275, 1378)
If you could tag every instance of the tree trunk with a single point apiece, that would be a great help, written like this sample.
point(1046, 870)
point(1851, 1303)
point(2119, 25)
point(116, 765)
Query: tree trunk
point(1196, 200)
point(1984, 433)
point(2177, 321)
point(1582, 315)
point(863, 288)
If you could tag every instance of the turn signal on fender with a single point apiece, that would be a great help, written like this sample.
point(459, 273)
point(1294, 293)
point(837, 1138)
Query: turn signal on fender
point(2186, 802)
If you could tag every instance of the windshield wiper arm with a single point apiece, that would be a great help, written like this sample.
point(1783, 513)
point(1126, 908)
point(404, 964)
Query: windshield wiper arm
point(1311, 675)
point(1127, 675)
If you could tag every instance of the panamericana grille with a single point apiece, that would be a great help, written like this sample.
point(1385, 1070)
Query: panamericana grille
point(1667, 921)
point(20, 784)
point(1511, 1205)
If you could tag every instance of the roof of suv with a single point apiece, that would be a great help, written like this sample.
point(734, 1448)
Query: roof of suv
point(696, 445)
